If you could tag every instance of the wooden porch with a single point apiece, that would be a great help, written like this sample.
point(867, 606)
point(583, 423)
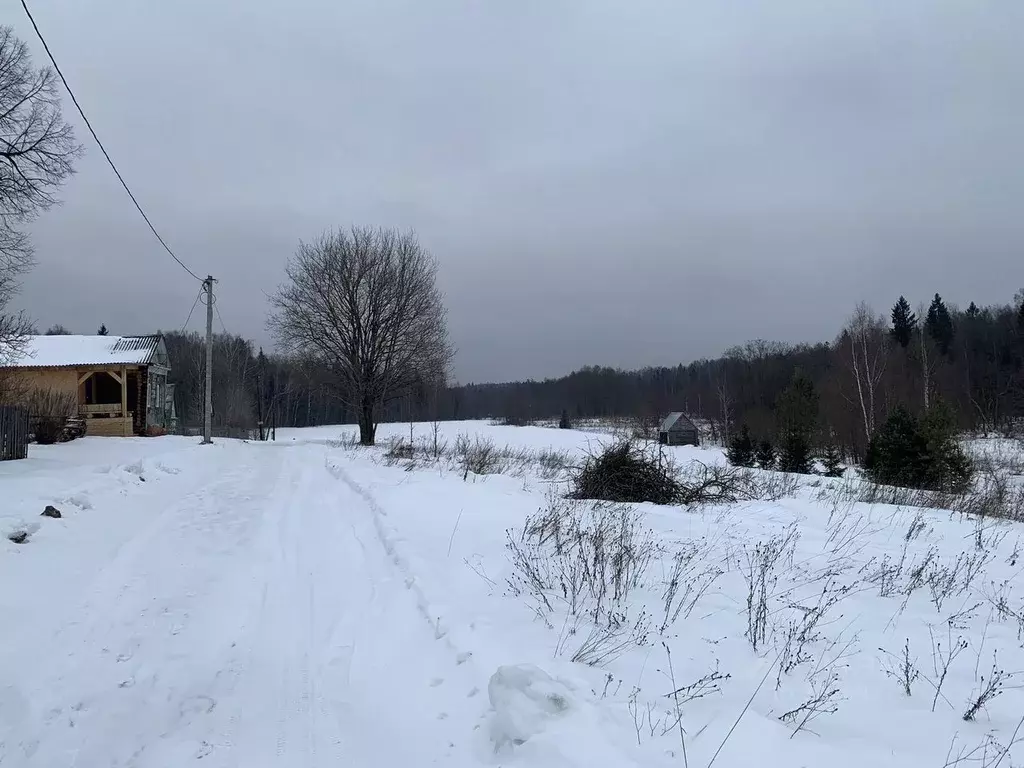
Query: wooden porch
point(104, 397)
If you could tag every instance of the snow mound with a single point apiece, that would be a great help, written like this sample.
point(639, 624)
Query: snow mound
point(135, 468)
point(544, 722)
point(12, 525)
point(526, 699)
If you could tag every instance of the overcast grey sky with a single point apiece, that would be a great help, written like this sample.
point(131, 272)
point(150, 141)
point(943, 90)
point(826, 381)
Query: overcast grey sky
point(617, 183)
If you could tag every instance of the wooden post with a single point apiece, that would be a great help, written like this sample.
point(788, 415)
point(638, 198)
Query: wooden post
point(124, 401)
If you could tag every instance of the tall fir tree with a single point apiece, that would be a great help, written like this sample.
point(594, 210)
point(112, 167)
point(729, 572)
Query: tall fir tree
point(939, 325)
point(972, 310)
point(904, 322)
point(103, 330)
point(797, 407)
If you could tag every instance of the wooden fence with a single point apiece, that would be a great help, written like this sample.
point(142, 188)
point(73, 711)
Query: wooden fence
point(13, 433)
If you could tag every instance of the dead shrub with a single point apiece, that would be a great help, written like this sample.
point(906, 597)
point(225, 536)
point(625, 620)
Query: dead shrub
point(588, 559)
point(479, 456)
point(49, 410)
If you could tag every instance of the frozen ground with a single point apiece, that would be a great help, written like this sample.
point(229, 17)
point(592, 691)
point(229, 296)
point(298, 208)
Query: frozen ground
point(303, 603)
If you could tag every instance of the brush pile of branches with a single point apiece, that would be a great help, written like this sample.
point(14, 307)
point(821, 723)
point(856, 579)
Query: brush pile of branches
point(626, 472)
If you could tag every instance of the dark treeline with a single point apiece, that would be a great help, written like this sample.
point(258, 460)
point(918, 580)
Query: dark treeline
point(250, 387)
point(971, 360)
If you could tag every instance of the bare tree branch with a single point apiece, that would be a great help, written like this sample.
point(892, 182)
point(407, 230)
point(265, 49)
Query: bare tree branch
point(37, 150)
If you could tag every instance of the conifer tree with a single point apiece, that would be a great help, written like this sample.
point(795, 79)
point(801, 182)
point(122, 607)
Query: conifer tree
point(832, 460)
point(797, 407)
point(765, 455)
point(896, 452)
point(795, 454)
point(741, 449)
point(939, 325)
point(102, 331)
point(904, 322)
point(972, 310)
point(948, 468)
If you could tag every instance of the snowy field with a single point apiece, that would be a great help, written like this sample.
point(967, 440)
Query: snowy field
point(311, 603)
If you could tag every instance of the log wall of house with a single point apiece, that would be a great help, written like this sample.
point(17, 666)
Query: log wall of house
point(142, 401)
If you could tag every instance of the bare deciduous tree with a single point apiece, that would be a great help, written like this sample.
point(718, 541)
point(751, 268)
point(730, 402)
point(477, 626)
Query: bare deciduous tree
point(365, 303)
point(863, 347)
point(37, 149)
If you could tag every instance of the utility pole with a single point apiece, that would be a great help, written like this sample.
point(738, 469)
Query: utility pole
point(208, 406)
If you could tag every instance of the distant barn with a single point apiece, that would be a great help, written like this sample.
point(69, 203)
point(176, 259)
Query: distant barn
point(677, 429)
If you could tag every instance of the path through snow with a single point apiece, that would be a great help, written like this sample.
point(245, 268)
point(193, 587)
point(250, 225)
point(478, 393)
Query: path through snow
point(255, 621)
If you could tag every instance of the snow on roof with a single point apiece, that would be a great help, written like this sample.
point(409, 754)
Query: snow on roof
point(71, 351)
point(671, 420)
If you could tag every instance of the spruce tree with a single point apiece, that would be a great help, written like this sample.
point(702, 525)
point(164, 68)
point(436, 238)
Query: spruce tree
point(904, 322)
point(102, 331)
point(947, 467)
point(897, 452)
point(939, 325)
point(832, 460)
point(795, 453)
point(972, 310)
point(797, 407)
point(741, 449)
point(765, 455)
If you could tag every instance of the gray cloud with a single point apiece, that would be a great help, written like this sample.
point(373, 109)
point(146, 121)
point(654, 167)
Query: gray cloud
point(603, 182)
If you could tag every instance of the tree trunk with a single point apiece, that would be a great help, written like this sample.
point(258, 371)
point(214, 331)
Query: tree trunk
point(367, 427)
point(925, 370)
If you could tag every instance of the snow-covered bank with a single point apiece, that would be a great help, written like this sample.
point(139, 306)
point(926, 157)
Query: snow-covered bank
point(853, 591)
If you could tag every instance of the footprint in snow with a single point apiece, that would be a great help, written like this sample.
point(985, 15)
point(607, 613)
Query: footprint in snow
point(197, 705)
point(463, 657)
point(205, 748)
point(436, 682)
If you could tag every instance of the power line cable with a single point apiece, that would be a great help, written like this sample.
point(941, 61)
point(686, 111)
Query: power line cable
point(194, 304)
point(221, 319)
point(103, 149)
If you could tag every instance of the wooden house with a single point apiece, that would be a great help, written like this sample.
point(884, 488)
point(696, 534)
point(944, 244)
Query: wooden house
point(119, 382)
point(677, 429)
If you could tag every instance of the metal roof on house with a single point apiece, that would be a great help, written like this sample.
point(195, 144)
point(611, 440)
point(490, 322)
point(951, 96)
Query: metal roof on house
point(672, 418)
point(76, 351)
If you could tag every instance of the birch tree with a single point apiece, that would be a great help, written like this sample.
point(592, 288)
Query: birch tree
point(365, 304)
point(862, 346)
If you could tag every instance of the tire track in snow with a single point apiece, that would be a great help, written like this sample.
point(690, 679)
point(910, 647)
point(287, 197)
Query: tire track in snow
point(451, 663)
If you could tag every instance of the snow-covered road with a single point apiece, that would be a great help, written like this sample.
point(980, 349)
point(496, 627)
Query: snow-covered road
point(254, 619)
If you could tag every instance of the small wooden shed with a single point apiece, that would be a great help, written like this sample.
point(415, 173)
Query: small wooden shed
point(677, 429)
point(118, 382)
